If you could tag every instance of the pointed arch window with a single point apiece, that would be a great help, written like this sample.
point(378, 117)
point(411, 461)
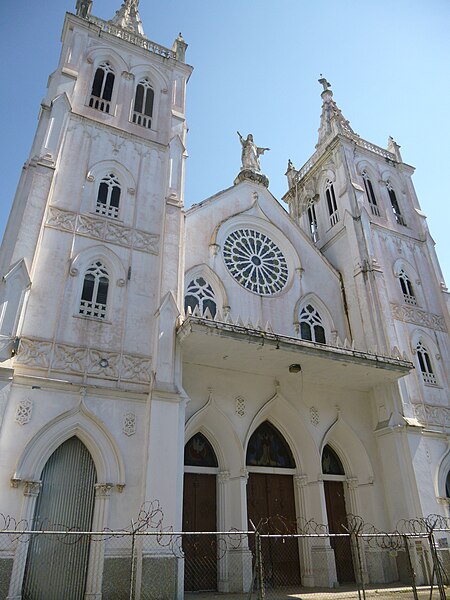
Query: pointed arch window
point(102, 88)
point(94, 294)
point(312, 220)
point(143, 104)
point(395, 205)
point(198, 452)
point(268, 448)
point(425, 365)
point(200, 294)
point(311, 325)
point(331, 463)
point(370, 194)
point(331, 203)
point(407, 288)
point(108, 197)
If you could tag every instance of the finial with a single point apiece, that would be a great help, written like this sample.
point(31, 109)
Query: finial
point(325, 83)
point(127, 17)
point(179, 47)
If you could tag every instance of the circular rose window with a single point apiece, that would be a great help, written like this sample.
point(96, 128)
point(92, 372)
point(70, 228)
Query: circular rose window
point(255, 262)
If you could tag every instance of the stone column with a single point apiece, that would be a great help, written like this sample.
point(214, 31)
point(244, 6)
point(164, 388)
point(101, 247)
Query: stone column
point(239, 555)
point(30, 492)
point(224, 542)
point(305, 544)
point(97, 544)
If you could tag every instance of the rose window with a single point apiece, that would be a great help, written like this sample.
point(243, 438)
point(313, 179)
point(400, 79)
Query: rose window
point(255, 262)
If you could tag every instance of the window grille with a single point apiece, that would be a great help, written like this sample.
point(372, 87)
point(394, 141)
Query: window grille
point(312, 219)
point(102, 88)
point(426, 368)
point(108, 197)
point(332, 204)
point(95, 292)
point(143, 104)
point(395, 206)
point(200, 293)
point(407, 288)
point(370, 194)
point(311, 325)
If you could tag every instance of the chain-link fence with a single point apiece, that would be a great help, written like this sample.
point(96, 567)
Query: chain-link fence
point(165, 565)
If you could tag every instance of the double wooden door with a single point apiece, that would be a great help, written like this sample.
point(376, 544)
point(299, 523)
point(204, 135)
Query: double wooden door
point(199, 514)
point(337, 522)
point(271, 508)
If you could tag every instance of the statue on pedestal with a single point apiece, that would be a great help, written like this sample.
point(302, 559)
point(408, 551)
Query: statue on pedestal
point(250, 153)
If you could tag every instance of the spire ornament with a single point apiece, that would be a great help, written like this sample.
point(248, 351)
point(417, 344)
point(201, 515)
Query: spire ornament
point(332, 121)
point(127, 17)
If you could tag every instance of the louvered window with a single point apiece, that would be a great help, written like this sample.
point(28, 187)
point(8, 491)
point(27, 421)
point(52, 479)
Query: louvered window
point(94, 295)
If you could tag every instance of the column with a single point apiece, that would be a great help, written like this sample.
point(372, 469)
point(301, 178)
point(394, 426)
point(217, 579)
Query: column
point(305, 544)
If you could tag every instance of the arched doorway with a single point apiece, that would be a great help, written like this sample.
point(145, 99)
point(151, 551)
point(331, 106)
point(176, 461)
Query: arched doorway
point(199, 514)
point(271, 502)
point(56, 568)
point(334, 477)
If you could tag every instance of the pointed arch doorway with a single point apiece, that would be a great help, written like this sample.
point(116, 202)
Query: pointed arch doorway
point(57, 568)
point(334, 479)
point(200, 514)
point(271, 503)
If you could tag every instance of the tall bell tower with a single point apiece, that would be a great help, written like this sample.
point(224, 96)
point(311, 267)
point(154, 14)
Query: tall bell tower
point(92, 268)
point(357, 203)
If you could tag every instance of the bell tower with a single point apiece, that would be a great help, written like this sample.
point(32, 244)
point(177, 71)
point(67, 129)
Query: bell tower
point(357, 203)
point(92, 265)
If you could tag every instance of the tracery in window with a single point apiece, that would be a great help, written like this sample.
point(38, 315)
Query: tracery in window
point(200, 293)
point(311, 325)
point(425, 365)
point(331, 463)
point(395, 206)
point(312, 220)
point(407, 288)
point(108, 197)
point(370, 194)
point(102, 88)
point(255, 261)
point(331, 203)
point(94, 294)
point(143, 104)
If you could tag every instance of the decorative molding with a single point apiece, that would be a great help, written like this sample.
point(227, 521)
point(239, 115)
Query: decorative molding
point(430, 414)
point(301, 480)
point(223, 476)
point(24, 409)
point(240, 406)
point(314, 416)
point(102, 229)
point(129, 424)
point(412, 314)
point(103, 490)
point(42, 354)
point(31, 488)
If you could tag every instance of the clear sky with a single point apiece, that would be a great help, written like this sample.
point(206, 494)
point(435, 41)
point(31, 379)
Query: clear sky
point(256, 65)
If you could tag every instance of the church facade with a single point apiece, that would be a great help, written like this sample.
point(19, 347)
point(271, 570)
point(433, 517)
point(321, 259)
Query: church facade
point(255, 357)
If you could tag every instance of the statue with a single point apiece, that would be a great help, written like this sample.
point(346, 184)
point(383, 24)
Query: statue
point(250, 153)
point(83, 8)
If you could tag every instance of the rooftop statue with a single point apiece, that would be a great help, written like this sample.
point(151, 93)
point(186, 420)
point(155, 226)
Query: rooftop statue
point(250, 153)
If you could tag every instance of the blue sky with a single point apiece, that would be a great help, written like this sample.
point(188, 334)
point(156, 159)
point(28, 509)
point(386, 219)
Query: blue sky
point(256, 65)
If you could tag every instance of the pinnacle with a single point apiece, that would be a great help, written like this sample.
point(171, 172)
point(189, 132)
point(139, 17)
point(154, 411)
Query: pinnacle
point(127, 17)
point(332, 121)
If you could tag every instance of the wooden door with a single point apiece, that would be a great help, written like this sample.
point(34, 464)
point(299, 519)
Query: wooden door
point(271, 507)
point(199, 514)
point(337, 522)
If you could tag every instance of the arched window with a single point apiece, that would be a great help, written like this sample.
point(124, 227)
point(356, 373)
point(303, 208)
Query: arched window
point(95, 292)
point(331, 202)
point(200, 293)
point(395, 206)
point(268, 448)
point(311, 325)
point(425, 365)
point(447, 485)
point(198, 452)
point(370, 194)
point(407, 288)
point(331, 463)
point(102, 88)
point(108, 197)
point(143, 104)
point(312, 219)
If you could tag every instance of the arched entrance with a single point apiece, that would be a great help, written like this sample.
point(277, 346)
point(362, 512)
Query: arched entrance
point(56, 568)
point(334, 477)
point(199, 514)
point(271, 503)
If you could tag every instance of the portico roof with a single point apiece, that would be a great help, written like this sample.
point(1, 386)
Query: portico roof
point(242, 349)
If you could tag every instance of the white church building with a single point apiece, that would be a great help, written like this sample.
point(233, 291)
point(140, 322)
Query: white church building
point(249, 357)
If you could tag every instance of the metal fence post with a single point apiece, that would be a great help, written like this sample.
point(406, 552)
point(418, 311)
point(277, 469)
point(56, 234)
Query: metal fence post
point(437, 567)
point(132, 570)
point(360, 577)
point(410, 567)
point(259, 567)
